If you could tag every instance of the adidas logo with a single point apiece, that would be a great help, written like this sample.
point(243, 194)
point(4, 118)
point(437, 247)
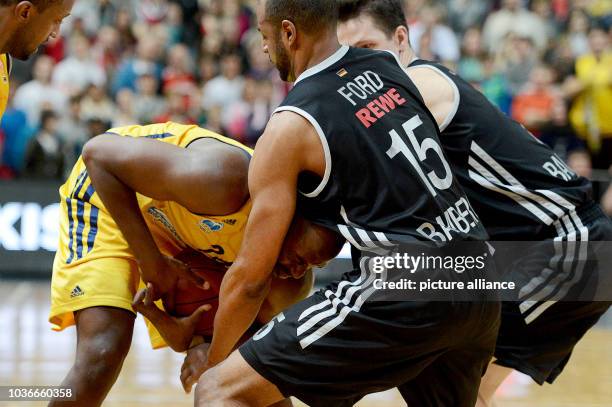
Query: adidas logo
point(230, 222)
point(76, 292)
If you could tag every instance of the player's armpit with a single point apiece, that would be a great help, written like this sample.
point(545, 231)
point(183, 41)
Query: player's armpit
point(439, 94)
point(210, 178)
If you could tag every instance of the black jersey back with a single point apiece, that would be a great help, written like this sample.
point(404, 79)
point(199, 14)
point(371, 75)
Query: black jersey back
point(386, 176)
point(518, 186)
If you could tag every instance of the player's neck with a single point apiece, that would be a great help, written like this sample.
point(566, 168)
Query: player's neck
point(407, 57)
point(321, 49)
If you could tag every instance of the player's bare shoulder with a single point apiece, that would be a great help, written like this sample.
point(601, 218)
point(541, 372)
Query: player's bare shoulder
point(291, 133)
point(438, 91)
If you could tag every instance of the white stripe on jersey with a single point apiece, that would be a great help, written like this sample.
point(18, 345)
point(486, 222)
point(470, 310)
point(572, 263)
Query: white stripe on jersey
point(324, 143)
point(551, 201)
point(344, 311)
point(568, 225)
point(374, 244)
point(495, 185)
point(339, 289)
point(345, 231)
point(573, 269)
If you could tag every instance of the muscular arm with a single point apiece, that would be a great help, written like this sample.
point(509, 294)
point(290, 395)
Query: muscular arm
point(208, 177)
point(438, 93)
point(288, 147)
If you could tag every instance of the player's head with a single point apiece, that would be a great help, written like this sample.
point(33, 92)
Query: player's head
point(291, 26)
point(32, 23)
point(306, 246)
point(377, 24)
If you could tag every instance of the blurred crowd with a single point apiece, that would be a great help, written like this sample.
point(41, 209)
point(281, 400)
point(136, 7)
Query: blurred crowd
point(545, 63)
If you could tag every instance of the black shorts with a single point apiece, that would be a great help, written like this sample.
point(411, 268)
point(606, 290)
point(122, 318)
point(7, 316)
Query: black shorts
point(537, 337)
point(335, 347)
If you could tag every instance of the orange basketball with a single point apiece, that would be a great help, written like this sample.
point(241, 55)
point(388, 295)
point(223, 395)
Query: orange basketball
point(189, 297)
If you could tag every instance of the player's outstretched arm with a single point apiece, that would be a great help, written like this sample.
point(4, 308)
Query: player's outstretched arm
point(289, 146)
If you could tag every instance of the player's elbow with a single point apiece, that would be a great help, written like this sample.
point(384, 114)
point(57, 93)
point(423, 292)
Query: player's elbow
point(256, 290)
point(94, 151)
point(250, 287)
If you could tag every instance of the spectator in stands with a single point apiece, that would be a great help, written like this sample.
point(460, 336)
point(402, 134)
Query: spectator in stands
point(124, 112)
point(106, 51)
point(561, 137)
point(464, 14)
point(178, 76)
point(471, 66)
point(32, 97)
point(591, 113)
point(73, 134)
point(177, 110)
point(148, 104)
point(79, 70)
point(442, 41)
point(97, 104)
point(174, 21)
point(16, 134)
point(533, 105)
point(123, 24)
point(246, 119)
point(226, 88)
point(514, 18)
point(44, 157)
point(516, 59)
point(5, 170)
point(578, 33)
point(146, 60)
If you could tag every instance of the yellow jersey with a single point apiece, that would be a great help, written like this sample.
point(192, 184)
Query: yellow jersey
point(591, 112)
point(94, 265)
point(4, 82)
point(173, 227)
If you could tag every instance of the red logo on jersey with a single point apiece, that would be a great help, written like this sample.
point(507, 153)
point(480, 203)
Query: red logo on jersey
point(380, 107)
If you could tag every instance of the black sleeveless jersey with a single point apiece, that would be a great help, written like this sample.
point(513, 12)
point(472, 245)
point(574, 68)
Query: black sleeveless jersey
point(520, 189)
point(386, 178)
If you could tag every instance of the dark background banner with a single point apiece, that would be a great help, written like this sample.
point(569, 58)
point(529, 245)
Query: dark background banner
point(29, 219)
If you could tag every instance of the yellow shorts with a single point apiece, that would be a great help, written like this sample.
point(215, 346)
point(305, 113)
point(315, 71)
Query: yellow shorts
point(93, 265)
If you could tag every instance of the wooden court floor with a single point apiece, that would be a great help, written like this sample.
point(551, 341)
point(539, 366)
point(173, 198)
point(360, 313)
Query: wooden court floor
point(31, 354)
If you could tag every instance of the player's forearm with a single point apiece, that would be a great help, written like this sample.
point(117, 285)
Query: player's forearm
point(122, 204)
point(239, 304)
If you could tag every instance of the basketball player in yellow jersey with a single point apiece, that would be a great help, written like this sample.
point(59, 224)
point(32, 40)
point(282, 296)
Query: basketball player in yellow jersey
point(137, 196)
point(24, 26)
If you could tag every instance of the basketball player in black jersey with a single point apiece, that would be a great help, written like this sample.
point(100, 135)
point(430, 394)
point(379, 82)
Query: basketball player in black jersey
point(341, 138)
point(520, 189)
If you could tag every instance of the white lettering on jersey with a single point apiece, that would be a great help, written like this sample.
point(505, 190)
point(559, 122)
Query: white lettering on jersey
point(361, 87)
point(458, 218)
point(558, 169)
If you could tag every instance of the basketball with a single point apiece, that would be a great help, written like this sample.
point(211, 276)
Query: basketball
point(189, 297)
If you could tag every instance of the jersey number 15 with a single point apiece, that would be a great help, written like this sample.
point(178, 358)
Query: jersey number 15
point(431, 179)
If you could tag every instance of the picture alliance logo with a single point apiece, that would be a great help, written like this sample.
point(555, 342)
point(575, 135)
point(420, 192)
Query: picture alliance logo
point(28, 226)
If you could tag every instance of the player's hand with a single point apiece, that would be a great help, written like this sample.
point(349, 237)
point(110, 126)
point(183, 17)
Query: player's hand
point(167, 275)
point(176, 332)
point(195, 364)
